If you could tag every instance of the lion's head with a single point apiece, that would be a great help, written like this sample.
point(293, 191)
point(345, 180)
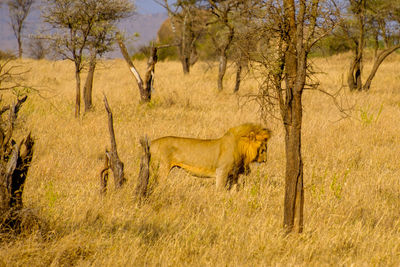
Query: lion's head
point(252, 142)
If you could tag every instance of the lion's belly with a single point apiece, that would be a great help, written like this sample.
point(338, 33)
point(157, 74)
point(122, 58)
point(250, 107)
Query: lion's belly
point(196, 171)
point(198, 157)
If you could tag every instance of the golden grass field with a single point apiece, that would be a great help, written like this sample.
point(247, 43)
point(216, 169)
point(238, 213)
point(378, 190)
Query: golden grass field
point(351, 174)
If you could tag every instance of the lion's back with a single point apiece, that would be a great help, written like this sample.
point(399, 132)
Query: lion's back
point(199, 156)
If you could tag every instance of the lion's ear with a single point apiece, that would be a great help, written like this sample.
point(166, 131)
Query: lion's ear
point(252, 136)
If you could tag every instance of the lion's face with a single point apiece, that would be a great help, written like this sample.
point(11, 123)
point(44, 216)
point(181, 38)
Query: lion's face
point(262, 153)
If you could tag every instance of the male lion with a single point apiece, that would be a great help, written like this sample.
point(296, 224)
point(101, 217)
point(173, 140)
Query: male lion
point(224, 158)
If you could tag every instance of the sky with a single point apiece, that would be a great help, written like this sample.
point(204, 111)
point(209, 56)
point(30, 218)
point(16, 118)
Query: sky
point(149, 7)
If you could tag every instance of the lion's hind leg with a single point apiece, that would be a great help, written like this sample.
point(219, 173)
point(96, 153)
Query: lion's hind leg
point(159, 170)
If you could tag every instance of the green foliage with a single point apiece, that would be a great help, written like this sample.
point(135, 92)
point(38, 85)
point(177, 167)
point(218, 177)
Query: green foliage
point(336, 187)
point(51, 195)
point(331, 45)
point(82, 25)
point(170, 53)
point(368, 117)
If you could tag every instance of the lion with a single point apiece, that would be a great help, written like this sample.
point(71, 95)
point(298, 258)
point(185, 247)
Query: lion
point(224, 158)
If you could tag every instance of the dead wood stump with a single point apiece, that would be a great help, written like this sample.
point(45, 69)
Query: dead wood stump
point(144, 173)
point(112, 160)
point(15, 160)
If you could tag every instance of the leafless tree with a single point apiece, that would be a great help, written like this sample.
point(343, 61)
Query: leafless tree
point(19, 10)
point(80, 25)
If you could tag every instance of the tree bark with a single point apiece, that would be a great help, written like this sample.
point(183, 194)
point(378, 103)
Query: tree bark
point(87, 89)
point(78, 93)
point(295, 69)
point(19, 46)
point(149, 75)
point(354, 77)
point(116, 165)
point(15, 161)
point(294, 192)
point(185, 60)
point(144, 173)
point(238, 77)
point(104, 174)
point(145, 92)
point(222, 70)
point(378, 61)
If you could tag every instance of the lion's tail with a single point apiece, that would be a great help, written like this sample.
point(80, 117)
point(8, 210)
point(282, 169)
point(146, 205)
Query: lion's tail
point(144, 172)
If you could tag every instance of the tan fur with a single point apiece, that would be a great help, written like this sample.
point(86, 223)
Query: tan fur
point(224, 158)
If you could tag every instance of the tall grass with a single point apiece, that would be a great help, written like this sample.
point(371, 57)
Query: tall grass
point(351, 174)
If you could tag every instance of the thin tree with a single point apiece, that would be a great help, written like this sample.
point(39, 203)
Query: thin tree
point(19, 11)
point(286, 31)
point(81, 24)
point(354, 76)
point(187, 24)
point(222, 31)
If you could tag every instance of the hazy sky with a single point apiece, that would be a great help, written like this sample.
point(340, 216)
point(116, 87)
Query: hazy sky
point(149, 7)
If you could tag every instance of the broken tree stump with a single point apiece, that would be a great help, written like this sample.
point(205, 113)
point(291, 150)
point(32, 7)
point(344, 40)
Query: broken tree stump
point(15, 160)
point(144, 173)
point(104, 173)
point(112, 160)
point(146, 86)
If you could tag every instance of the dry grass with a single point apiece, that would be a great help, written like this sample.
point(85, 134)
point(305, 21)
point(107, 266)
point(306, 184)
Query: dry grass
point(352, 170)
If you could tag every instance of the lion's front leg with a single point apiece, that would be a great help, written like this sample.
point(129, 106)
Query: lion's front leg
point(233, 182)
point(221, 178)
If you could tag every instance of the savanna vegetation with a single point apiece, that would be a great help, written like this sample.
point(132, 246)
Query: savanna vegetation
point(351, 170)
point(307, 70)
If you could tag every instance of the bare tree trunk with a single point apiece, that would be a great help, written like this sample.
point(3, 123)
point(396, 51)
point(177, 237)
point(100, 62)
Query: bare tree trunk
point(238, 77)
point(378, 61)
point(295, 69)
point(19, 46)
point(149, 75)
point(145, 92)
point(185, 64)
point(354, 77)
point(78, 93)
point(221, 69)
point(294, 192)
point(87, 89)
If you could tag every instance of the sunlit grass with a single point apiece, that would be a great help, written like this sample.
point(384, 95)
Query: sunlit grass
point(351, 174)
